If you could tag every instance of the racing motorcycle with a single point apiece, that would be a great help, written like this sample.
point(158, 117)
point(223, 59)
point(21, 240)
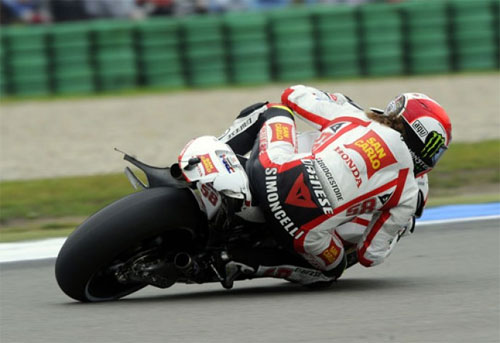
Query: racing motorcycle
point(183, 226)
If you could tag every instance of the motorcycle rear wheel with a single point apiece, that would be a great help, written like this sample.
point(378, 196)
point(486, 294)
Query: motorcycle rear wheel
point(116, 233)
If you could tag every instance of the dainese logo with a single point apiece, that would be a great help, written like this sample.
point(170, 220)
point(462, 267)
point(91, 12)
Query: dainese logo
point(374, 151)
point(208, 165)
point(281, 132)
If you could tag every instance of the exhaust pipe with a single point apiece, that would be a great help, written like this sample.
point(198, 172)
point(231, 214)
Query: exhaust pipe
point(184, 263)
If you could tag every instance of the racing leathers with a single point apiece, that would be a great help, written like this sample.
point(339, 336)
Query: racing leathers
point(356, 167)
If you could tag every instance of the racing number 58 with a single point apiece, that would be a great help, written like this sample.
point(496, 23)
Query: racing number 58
point(367, 206)
point(209, 194)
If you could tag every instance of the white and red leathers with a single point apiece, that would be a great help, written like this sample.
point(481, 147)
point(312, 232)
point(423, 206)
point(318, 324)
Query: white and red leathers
point(355, 168)
point(351, 233)
point(365, 168)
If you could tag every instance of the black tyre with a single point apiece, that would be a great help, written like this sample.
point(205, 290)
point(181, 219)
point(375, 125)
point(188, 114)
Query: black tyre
point(113, 231)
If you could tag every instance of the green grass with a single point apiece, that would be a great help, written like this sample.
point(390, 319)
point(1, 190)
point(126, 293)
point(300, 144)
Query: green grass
point(41, 208)
point(15, 234)
point(49, 198)
point(463, 199)
point(468, 164)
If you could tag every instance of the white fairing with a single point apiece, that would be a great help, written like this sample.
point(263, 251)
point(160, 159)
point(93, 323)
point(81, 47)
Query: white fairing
point(217, 170)
point(209, 197)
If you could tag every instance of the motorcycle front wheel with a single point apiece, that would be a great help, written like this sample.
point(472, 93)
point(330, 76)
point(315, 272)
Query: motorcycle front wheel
point(116, 233)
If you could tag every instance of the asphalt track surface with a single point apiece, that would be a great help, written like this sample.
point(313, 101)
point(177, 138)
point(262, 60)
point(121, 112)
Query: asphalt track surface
point(440, 285)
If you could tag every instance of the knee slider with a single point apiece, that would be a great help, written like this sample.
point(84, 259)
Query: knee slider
point(338, 270)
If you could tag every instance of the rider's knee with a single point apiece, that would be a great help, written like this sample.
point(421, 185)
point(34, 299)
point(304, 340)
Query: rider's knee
point(338, 270)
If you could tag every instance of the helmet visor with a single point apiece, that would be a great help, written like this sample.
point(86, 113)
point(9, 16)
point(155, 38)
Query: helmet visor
point(428, 153)
point(437, 156)
point(433, 148)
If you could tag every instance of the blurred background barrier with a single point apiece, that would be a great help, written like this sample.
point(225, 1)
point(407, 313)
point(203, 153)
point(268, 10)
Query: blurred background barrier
point(294, 43)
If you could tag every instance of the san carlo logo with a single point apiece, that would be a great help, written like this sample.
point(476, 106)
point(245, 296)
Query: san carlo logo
point(207, 164)
point(376, 154)
point(281, 132)
point(330, 254)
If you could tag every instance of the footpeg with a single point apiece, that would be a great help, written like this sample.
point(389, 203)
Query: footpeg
point(233, 270)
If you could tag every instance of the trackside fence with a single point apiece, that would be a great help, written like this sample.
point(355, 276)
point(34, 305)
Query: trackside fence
point(294, 44)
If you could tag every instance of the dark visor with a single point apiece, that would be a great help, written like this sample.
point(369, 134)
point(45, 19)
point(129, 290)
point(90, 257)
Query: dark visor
point(429, 151)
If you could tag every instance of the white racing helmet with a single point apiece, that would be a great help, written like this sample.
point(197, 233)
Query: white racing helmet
point(427, 128)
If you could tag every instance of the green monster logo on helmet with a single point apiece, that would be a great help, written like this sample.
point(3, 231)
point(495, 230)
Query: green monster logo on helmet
point(433, 143)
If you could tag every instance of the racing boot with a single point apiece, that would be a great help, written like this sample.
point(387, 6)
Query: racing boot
point(227, 271)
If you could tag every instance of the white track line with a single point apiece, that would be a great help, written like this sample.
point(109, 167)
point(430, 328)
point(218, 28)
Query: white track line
point(457, 220)
point(31, 250)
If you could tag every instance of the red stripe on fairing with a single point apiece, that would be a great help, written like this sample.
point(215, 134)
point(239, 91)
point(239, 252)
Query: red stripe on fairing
point(306, 114)
point(373, 232)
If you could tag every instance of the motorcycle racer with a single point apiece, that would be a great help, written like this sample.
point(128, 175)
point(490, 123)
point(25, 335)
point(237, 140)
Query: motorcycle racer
point(360, 176)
